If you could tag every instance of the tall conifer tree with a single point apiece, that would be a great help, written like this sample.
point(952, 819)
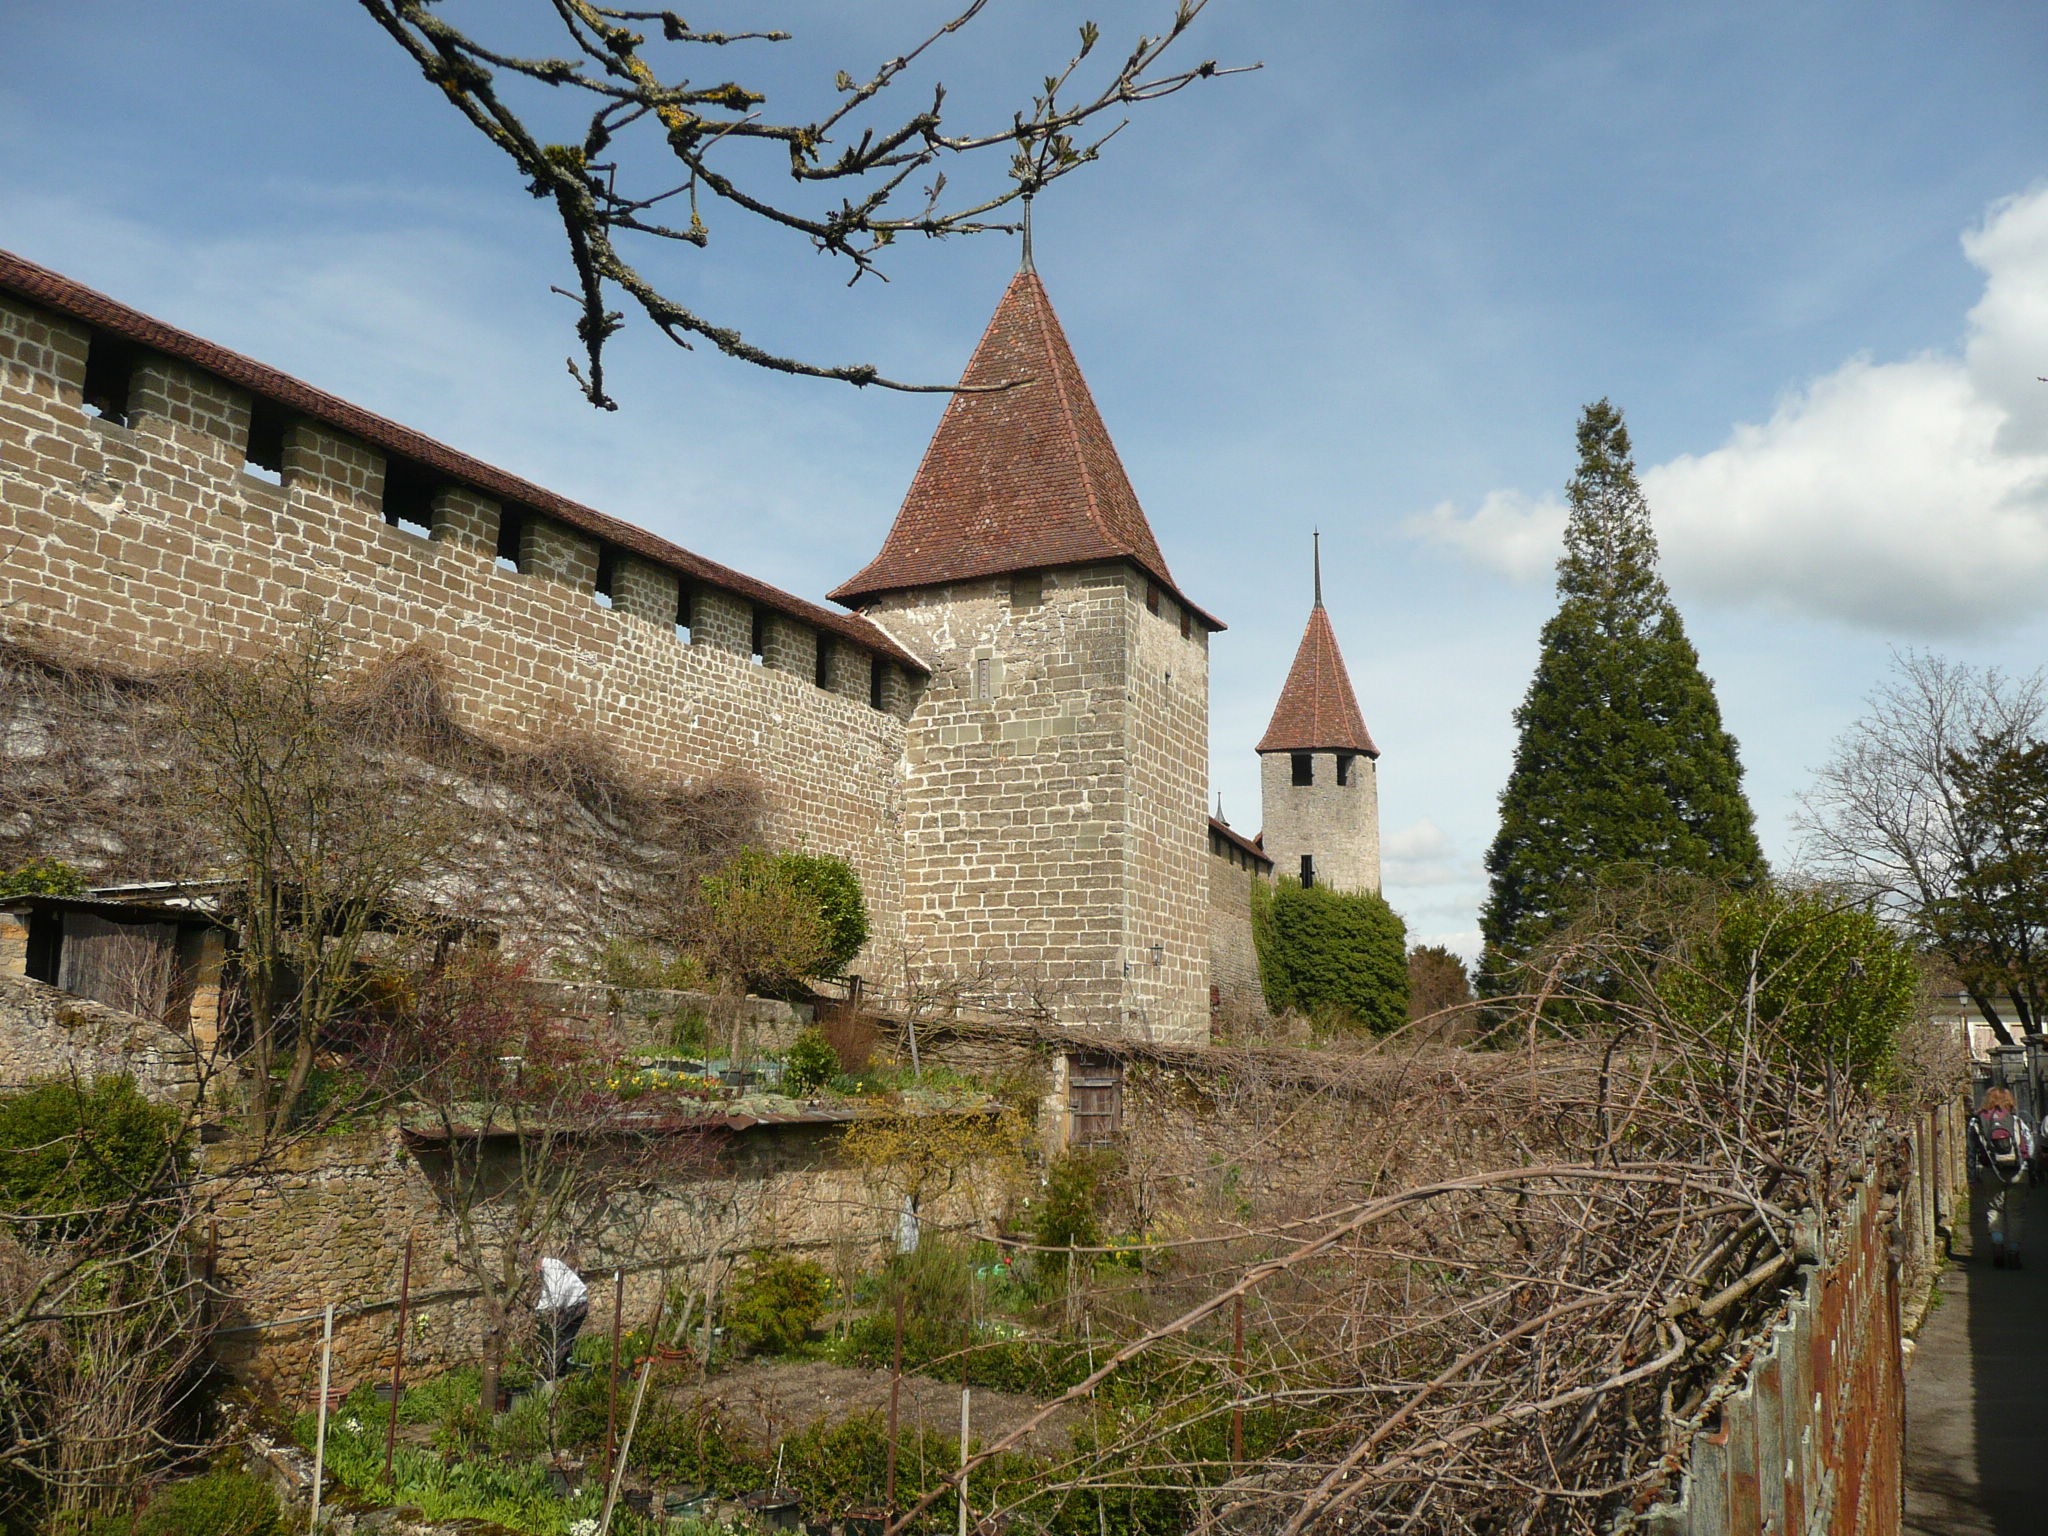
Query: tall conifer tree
point(1622, 758)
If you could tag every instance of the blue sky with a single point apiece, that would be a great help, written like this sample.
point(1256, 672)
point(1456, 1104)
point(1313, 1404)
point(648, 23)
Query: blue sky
point(1804, 246)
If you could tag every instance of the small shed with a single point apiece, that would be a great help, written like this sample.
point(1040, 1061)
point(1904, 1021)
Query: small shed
point(155, 959)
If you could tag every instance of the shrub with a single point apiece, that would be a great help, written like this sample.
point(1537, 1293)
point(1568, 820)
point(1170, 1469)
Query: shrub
point(43, 877)
point(51, 1124)
point(810, 1065)
point(1831, 984)
point(834, 889)
point(699, 1444)
point(775, 1301)
point(1321, 947)
point(224, 1503)
point(1067, 1205)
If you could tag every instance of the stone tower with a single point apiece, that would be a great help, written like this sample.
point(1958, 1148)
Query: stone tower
point(1317, 768)
point(1056, 774)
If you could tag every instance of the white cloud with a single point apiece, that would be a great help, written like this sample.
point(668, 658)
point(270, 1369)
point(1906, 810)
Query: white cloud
point(1517, 535)
point(1907, 497)
point(1422, 854)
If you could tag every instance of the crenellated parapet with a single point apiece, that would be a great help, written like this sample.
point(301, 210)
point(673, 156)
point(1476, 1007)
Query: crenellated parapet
point(161, 497)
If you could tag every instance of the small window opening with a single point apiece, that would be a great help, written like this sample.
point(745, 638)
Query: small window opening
point(757, 641)
point(510, 526)
point(1151, 597)
point(408, 498)
point(109, 377)
point(685, 614)
point(607, 574)
point(264, 457)
point(1027, 590)
point(983, 679)
point(877, 681)
point(1308, 871)
point(1304, 768)
point(1187, 623)
point(822, 676)
point(1343, 769)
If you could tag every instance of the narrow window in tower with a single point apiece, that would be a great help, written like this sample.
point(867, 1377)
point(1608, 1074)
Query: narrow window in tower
point(757, 643)
point(982, 684)
point(1343, 769)
point(1308, 871)
point(1151, 597)
point(823, 676)
point(1304, 768)
point(876, 676)
point(684, 616)
point(607, 576)
point(1187, 623)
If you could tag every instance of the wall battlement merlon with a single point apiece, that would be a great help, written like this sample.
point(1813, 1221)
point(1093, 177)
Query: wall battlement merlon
point(213, 401)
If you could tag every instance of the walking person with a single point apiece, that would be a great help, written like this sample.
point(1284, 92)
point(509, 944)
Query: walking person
point(2001, 1148)
point(564, 1303)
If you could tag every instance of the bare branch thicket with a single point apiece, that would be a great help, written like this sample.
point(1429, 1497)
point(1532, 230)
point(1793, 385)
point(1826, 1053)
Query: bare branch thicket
point(661, 150)
point(528, 1149)
point(1888, 819)
point(1478, 1290)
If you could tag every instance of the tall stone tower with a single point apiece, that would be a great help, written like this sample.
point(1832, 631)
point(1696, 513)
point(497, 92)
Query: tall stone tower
point(1318, 768)
point(1056, 781)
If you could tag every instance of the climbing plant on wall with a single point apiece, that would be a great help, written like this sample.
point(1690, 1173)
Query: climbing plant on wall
point(1322, 950)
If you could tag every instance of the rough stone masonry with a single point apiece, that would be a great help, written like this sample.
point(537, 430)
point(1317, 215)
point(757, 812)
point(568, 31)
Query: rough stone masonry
point(1008, 738)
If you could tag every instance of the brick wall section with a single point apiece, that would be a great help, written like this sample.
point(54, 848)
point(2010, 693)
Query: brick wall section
point(1338, 823)
point(141, 543)
point(1055, 826)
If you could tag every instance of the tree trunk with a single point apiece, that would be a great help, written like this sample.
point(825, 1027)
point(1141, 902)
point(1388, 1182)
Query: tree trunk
point(493, 1363)
point(1984, 1006)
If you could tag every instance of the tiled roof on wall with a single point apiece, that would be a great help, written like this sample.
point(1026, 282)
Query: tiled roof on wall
point(1016, 479)
point(1250, 845)
point(53, 291)
point(1317, 711)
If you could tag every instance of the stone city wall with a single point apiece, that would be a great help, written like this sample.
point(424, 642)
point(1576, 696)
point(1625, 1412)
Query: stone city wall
point(326, 1221)
point(1233, 957)
point(145, 541)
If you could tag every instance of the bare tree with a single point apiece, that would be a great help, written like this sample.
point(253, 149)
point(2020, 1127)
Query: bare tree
point(529, 1149)
point(321, 834)
point(647, 105)
point(1889, 818)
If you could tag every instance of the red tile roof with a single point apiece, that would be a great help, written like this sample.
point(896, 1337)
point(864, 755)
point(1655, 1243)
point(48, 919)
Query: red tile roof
point(1016, 479)
point(1250, 845)
point(1317, 711)
point(42, 286)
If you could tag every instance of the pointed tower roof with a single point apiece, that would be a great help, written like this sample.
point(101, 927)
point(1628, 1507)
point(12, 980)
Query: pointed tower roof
point(1016, 479)
point(1317, 711)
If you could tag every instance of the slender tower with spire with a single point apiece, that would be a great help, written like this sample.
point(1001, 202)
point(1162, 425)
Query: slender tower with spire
point(1318, 767)
point(1056, 783)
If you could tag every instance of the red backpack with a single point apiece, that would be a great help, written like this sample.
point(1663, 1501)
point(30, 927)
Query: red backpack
point(2001, 1139)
